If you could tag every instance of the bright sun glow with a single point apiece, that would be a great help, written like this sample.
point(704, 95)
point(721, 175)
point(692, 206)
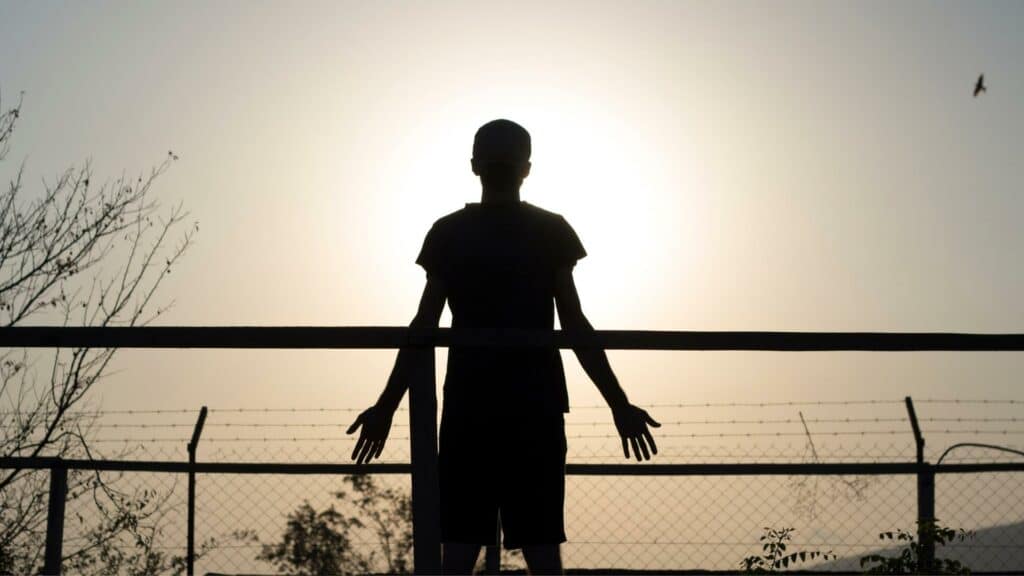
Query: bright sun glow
point(605, 177)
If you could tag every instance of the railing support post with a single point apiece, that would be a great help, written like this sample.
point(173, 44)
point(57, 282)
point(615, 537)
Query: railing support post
point(426, 506)
point(190, 555)
point(492, 556)
point(925, 498)
point(55, 518)
point(926, 518)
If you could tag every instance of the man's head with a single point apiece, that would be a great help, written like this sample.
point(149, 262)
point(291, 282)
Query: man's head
point(501, 153)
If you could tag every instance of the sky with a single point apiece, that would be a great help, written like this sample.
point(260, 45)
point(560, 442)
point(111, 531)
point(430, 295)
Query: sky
point(814, 166)
point(727, 165)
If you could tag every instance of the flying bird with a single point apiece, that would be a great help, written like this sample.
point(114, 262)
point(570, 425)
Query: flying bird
point(979, 87)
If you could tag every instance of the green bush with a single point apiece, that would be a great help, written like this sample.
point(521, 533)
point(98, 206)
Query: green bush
point(774, 556)
point(909, 561)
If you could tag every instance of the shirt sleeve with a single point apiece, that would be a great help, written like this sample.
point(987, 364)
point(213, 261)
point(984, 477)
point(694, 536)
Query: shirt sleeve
point(567, 246)
point(431, 254)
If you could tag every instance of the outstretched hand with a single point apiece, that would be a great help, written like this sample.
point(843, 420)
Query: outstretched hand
point(632, 421)
point(376, 424)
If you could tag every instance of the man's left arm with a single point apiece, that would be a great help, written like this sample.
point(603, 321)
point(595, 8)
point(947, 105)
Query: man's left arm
point(375, 421)
point(631, 421)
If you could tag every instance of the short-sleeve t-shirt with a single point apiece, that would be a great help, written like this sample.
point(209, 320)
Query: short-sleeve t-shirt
point(498, 262)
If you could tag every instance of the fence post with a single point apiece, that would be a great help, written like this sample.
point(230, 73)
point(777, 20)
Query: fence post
point(190, 554)
point(426, 506)
point(926, 518)
point(55, 518)
point(492, 556)
point(925, 499)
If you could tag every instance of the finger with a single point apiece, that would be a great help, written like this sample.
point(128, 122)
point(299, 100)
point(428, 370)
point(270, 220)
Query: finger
point(380, 448)
point(649, 420)
point(625, 447)
point(650, 440)
point(636, 449)
point(355, 425)
point(371, 450)
point(643, 447)
point(362, 453)
point(359, 445)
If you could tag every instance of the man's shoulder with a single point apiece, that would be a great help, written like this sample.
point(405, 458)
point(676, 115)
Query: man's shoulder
point(542, 214)
point(475, 211)
point(450, 219)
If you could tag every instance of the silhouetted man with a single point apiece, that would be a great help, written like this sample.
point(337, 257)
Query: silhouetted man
point(503, 263)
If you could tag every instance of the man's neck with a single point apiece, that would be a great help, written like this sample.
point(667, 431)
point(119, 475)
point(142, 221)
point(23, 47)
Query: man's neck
point(499, 195)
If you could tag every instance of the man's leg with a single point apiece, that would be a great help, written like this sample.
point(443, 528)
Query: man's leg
point(458, 558)
point(543, 559)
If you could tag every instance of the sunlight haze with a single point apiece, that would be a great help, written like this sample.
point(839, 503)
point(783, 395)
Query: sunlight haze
point(728, 166)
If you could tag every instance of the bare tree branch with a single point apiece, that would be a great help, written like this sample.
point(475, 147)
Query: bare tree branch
point(82, 254)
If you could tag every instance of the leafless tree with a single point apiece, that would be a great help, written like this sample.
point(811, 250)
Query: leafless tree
point(75, 252)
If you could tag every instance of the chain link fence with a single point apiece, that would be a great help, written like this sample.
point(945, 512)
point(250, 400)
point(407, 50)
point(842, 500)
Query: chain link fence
point(643, 522)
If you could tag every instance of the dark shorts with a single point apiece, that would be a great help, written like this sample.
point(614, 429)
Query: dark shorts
point(515, 467)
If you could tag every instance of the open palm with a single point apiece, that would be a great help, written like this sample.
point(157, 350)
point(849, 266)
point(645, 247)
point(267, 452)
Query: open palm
point(376, 424)
point(632, 423)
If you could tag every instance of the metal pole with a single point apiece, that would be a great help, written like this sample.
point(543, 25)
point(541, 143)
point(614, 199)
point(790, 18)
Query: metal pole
point(925, 498)
point(918, 438)
point(426, 507)
point(55, 518)
point(926, 519)
point(192, 445)
point(492, 557)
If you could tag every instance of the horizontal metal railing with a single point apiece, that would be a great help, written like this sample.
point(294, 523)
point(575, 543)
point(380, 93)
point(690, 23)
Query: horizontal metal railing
point(364, 337)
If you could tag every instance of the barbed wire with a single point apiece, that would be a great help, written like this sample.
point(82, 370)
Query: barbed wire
point(750, 404)
point(766, 404)
point(254, 410)
point(659, 436)
point(808, 420)
point(242, 439)
point(103, 412)
point(591, 423)
point(804, 434)
point(966, 401)
point(209, 425)
point(191, 411)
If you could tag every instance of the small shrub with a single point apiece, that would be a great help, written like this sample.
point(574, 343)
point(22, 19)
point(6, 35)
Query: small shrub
point(909, 561)
point(319, 542)
point(774, 556)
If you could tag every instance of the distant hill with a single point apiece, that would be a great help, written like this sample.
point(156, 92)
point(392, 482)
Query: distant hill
point(992, 549)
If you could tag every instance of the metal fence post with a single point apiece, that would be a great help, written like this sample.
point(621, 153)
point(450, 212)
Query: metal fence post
point(492, 556)
point(190, 554)
point(55, 518)
point(925, 499)
point(926, 518)
point(426, 506)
